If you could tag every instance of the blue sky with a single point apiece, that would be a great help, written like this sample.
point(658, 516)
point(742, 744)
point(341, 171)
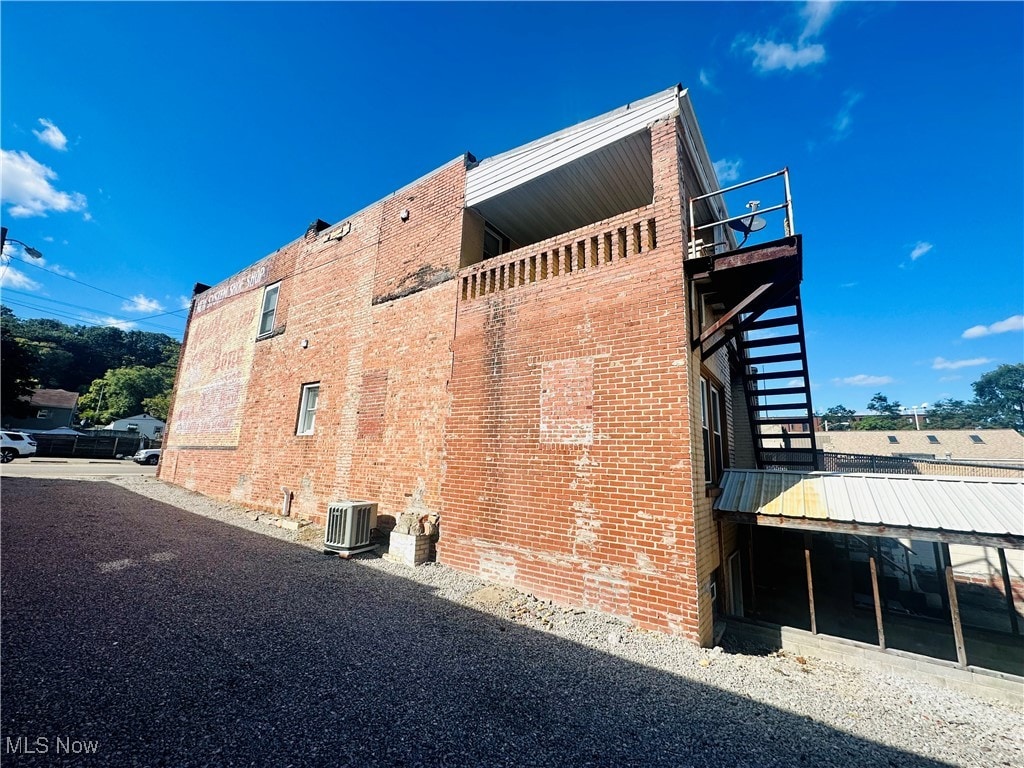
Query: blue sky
point(151, 146)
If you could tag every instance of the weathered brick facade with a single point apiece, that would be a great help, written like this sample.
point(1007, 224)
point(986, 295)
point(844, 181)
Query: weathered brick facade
point(545, 403)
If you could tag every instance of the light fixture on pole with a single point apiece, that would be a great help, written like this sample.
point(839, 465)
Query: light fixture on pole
point(28, 248)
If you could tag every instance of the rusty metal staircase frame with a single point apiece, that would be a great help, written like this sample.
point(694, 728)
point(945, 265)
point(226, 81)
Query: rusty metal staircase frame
point(755, 295)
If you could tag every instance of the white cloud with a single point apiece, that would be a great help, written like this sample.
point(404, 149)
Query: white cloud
point(142, 304)
point(817, 15)
point(863, 380)
point(109, 322)
point(13, 278)
point(55, 268)
point(770, 56)
point(920, 249)
point(728, 170)
point(27, 188)
point(954, 377)
point(184, 302)
point(51, 135)
point(844, 119)
point(942, 364)
point(705, 80)
point(1013, 323)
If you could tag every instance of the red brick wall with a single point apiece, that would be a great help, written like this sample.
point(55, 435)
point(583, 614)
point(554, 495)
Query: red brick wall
point(568, 442)
point(370, 317)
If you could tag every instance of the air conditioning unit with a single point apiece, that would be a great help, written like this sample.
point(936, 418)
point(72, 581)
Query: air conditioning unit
point(348, 527)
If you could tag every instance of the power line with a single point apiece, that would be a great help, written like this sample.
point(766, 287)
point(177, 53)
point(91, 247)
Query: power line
point(87, 309)
point(85, 321)
point(87, 285)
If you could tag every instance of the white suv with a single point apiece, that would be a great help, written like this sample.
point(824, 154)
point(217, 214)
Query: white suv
point(147, 456)
point(15, 444)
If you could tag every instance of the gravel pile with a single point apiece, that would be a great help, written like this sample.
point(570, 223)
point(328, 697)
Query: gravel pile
point(934, 724)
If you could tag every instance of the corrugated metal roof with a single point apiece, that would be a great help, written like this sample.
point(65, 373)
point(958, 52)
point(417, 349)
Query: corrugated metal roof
point(976, 505)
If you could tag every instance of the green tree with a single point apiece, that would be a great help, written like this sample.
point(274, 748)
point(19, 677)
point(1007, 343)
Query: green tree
point(16, 364)
point(122, 391)
point(888, 416)
point(954, 414)
point(1000, 395)
point(158, 405)
point(71, 356)
point(838, 418)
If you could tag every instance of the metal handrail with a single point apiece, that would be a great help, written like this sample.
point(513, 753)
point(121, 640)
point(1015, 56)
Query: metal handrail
point(787, 205)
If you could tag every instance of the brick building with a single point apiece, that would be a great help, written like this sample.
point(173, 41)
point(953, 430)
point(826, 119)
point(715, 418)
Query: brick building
point(543, 348)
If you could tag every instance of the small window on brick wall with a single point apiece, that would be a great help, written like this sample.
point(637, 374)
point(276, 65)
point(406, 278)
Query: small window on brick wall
point(712, 419)
point(269, 312)
point(307, 409)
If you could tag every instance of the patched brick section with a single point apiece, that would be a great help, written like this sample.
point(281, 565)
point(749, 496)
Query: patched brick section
point(567, 402)
point(372, 394)
point(397, 353)
point(605, 593)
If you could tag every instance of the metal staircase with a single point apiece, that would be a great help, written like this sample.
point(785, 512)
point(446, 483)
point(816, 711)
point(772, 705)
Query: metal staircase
point(748, 301)
point(772, 362)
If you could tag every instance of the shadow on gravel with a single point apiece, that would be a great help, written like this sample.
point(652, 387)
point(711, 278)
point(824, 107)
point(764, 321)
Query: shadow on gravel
point(150, 636)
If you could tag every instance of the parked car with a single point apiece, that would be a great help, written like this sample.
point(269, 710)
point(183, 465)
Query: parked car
point(14, 445)
point(147, 456)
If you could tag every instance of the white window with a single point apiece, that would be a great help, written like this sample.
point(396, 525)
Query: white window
point(43, 413)
point(269, 308)
point(712, 435)
point(307, 409)
point(495, 243)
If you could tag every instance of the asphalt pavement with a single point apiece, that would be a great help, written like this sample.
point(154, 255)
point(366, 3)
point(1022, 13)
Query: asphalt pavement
point(137, 634)
point(54, 467)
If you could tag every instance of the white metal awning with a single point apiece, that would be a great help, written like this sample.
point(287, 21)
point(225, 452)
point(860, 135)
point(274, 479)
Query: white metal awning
point(972, 510)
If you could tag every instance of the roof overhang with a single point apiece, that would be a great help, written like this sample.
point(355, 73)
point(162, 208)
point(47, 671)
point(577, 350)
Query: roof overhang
point(585, 173)
point(954, 510)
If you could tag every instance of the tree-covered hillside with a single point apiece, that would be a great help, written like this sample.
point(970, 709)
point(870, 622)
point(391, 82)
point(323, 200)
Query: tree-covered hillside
point(120, 373)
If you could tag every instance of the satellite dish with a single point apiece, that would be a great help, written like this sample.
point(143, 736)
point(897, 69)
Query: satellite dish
point(750, 224)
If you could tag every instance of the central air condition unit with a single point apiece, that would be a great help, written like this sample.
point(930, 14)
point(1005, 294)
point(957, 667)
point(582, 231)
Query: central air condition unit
point(348, 527)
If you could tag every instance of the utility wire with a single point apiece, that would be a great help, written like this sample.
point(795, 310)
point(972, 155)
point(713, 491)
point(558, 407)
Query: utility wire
point(79, 319)
point(87, 285)
point(91, 309)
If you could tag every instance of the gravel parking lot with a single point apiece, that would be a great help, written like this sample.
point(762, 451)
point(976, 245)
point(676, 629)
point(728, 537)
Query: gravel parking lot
point(133, 617)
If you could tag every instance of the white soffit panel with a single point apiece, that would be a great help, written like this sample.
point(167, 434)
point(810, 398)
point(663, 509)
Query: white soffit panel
point(501, 173)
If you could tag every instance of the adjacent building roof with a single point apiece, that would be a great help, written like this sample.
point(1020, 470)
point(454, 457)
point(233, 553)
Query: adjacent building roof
point(54, 398)
point(978, 445)
point(956, 509)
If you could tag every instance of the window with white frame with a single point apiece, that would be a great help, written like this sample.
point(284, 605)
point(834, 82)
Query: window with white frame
point(712, 433)
point(307, 409)
point(269, 312)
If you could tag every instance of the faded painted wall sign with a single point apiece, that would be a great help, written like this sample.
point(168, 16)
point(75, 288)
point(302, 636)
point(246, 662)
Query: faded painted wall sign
point(246, 281)
point(208, 406)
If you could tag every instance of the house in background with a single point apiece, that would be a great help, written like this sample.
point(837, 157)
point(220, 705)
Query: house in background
point(50, 409)
point(142, 424)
